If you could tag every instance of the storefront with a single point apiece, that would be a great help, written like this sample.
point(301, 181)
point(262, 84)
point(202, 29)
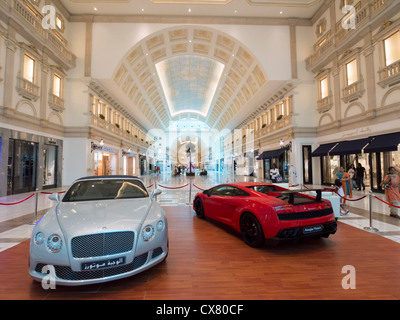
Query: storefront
point(383, 152)
point(105, 161)
point(281, 158)
point(143, 164)
point(129, 163)
point(50, 164)
point(29, 162)
point(22, 166)
point(342, 154)
point(376, 154)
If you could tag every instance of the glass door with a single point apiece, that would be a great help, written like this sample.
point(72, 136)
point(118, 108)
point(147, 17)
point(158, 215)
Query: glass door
point(307, 165)
point(22, 166)
point(49, 166)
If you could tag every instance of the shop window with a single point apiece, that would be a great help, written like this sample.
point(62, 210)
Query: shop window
point(392, 48)
point(56, 96)
point(323, 88)
point(28, 68)
point(59, 22)
point(57, 85)
point(27, 78)
point(353, 83)
point(351, 72)
point(389, 73)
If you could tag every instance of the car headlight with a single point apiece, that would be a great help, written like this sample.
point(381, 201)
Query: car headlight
point(54, 243)
point(39, 238)
point(160, 225)
point(148, 232)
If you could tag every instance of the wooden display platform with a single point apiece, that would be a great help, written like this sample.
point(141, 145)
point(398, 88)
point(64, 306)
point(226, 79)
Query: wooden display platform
point(209, 261)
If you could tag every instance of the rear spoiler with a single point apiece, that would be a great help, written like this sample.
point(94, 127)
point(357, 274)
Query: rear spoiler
point(291, 193)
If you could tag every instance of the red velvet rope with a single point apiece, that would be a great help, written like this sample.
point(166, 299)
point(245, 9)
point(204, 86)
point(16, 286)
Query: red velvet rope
point(198, 187)
point(350, 199)
point(173, 187)
point(150, 186)
point(9, 204)
point(392, 205)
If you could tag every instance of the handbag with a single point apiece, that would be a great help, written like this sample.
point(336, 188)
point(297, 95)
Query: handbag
point(388, 184)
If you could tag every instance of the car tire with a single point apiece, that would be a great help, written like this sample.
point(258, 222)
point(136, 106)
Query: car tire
point(199, 208)
point(251, 230)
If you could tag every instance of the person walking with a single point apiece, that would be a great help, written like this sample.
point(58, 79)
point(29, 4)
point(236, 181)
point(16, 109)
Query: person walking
point(344, 178)
point(391, 184)
point(352, 173)
point(360, 173)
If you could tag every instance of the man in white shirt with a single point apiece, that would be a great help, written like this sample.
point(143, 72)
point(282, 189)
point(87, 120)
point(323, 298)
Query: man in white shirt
point(274, 172)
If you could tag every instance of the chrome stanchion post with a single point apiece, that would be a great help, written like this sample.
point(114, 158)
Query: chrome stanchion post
point(36, 206)
point(190, 192)
point(370, 228)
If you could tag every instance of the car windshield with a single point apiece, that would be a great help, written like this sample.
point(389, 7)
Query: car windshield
point(106, 189)
point(263, 188)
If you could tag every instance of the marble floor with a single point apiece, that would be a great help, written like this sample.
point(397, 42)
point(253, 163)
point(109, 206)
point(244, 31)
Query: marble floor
point(17, 220)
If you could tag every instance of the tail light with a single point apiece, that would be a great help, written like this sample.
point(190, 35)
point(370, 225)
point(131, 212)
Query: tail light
point(283, 209)
point(327, 204)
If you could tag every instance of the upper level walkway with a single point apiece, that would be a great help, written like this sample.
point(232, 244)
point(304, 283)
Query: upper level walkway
point(17, 220)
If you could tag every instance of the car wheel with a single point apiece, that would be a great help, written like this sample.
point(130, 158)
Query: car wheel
point(251, 230)
point(199, 208)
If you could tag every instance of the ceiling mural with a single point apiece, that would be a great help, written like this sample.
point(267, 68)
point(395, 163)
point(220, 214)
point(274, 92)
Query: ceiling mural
point(189, 72)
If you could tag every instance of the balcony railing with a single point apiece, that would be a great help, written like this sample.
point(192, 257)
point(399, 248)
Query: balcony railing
point(27, 89)
point(390, 74)
point(365, 11)
point(325, 104)
point(56, 103)
point(353, 91)
point(33, 22)
point(111, 127)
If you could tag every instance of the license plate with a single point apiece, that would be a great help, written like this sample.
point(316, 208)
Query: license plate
point(313, 229)
point(109, 263)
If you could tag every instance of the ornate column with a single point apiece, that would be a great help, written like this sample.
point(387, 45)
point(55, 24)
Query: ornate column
point(44, 87)
point(370, 77)
point(9, 74)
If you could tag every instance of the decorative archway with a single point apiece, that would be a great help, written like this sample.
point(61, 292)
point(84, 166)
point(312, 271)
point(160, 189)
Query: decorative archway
point(242, 77)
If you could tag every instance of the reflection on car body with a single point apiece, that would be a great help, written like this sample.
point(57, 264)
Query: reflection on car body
point(104, 228)
point(262, 211)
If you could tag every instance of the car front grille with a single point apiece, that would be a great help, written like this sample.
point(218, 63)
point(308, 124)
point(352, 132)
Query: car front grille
point(305, 214)
point(66, 273)
point(102, 244)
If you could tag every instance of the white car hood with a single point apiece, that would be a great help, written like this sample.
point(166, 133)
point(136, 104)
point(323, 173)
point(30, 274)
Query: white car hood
point(78, 218)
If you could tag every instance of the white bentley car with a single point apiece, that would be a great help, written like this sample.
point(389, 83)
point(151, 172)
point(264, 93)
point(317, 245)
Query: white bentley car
point(104, 228)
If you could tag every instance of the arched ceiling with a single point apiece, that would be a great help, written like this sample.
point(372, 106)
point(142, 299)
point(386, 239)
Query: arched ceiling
point(189, 72)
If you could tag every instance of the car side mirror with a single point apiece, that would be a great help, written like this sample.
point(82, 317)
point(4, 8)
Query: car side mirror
point(207, 192)
point(156, 192)
point(55, 197)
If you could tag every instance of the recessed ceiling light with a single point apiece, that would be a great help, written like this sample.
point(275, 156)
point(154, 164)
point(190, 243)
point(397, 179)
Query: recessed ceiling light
point(281, 12)
point(95, 9)
point(142, 10)
point(236, 11)
point(189, 10)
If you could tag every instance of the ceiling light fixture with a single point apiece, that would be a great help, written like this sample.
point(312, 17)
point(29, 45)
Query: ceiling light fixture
point(95, 9)
point(189, 10)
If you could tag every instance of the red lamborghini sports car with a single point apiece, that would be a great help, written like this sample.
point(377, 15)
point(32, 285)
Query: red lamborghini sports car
point(261, 211)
